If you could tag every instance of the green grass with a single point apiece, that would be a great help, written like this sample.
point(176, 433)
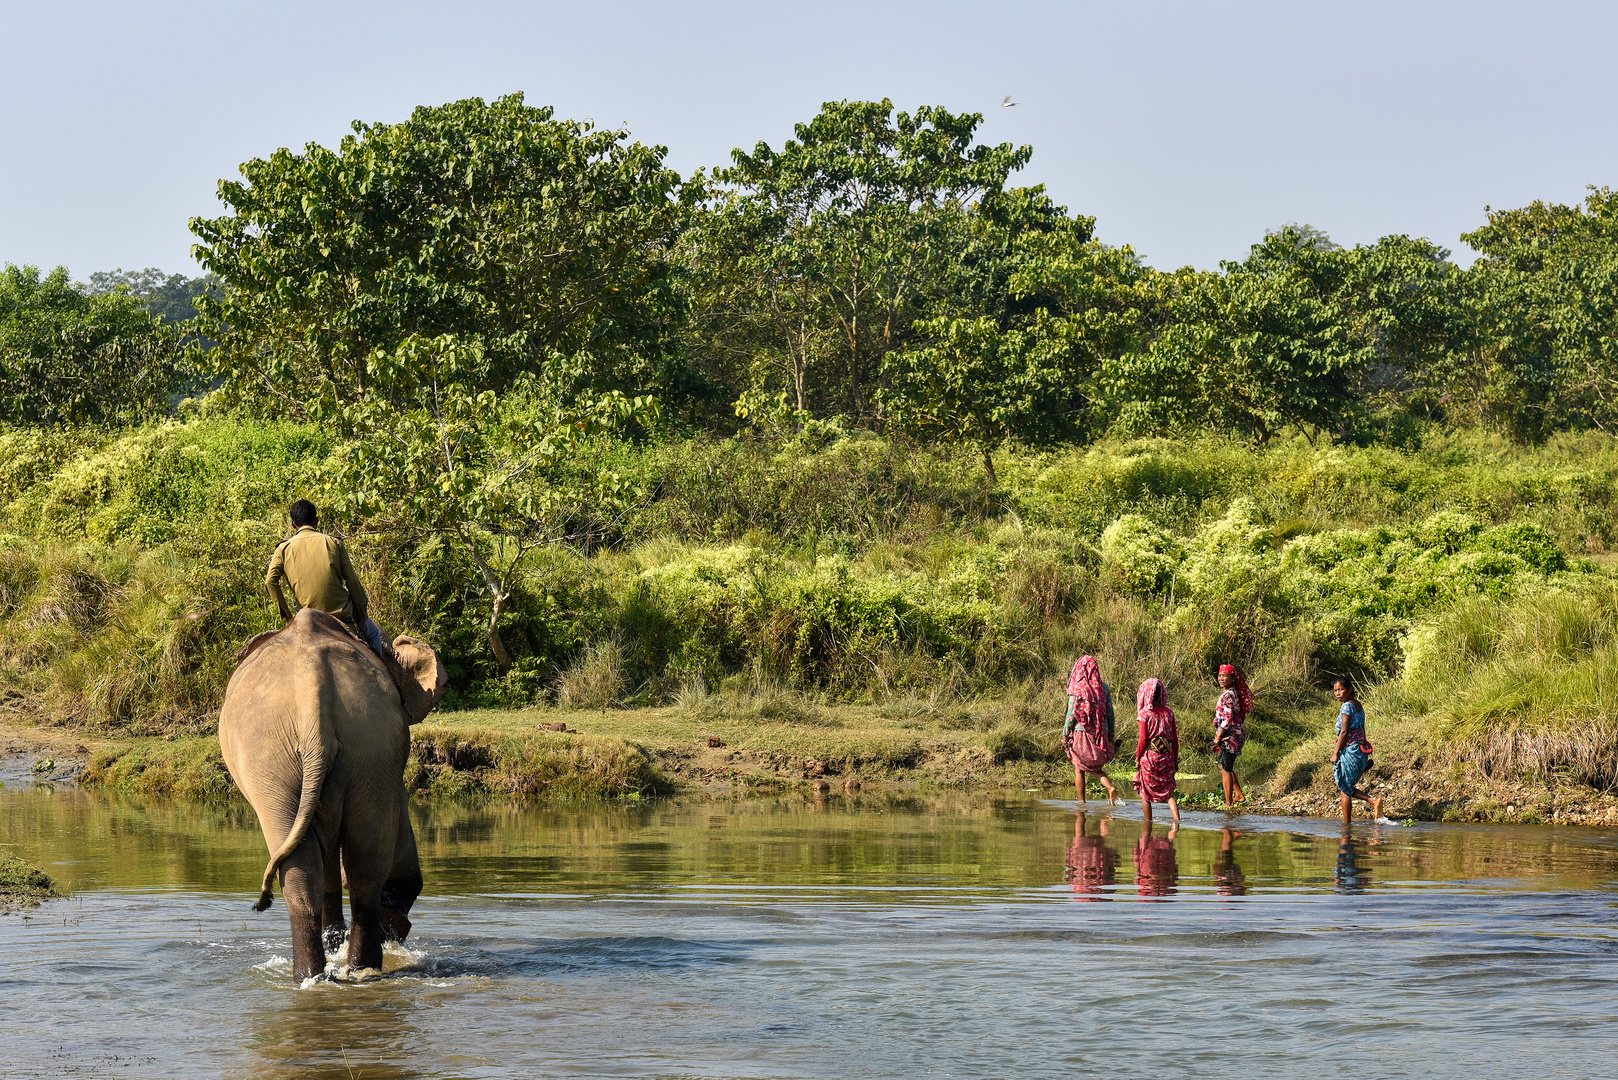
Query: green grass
point(871, 606)
point(23, 885)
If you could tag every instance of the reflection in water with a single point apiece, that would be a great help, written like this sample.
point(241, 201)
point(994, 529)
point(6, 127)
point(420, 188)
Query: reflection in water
point(1228, 877)
point(371, 1030)
point(1157, 871)
point(1092, 861)
point(849, 937)
point(1351, 877)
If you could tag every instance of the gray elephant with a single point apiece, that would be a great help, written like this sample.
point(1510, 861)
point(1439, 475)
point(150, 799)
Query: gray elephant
point(315, 734)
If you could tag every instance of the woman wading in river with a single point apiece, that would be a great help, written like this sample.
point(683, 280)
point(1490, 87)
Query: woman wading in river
point(1087, 731)
point(1352, 756)
point(1230, 729)
point(1157, 752)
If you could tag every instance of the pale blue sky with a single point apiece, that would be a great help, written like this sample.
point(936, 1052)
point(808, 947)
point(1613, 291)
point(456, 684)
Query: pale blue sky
point(1187, 129)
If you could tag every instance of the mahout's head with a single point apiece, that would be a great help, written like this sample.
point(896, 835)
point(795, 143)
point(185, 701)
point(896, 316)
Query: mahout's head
point(302, 513)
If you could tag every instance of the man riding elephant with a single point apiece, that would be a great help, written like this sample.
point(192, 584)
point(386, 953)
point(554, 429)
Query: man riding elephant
point(315, 734)
point(322, 577)
point(315, 731)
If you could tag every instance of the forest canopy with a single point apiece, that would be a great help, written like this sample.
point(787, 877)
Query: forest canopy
point(853, 413)
point(878, 270)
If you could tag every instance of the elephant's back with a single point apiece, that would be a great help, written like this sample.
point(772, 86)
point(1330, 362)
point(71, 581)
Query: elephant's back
point(259, 721)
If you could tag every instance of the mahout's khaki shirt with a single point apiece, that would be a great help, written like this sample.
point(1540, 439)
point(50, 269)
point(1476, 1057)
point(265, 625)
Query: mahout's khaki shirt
point(320, 573)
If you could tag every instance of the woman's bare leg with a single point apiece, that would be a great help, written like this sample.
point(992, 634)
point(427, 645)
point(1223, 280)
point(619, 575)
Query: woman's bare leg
point(1174, 808)
point(1236, 782)
point(1225, 778)
point(1374, 803)
point(1112, 792)
point(1078, 781)
point(1348, 809)
point(1146, 808)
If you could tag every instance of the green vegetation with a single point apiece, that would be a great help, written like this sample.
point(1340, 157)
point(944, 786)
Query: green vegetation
point(23, 885)
point(71, 357)
point(764, 591)
point(614, 440)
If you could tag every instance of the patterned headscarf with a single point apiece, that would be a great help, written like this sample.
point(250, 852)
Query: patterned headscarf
point(1090, 698)
point(1152, 700)
point(1244, 696)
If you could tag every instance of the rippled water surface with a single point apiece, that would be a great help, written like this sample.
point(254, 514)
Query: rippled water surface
point(970, 936)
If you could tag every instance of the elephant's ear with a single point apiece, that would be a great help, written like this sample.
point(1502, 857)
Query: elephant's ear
point(421, 664)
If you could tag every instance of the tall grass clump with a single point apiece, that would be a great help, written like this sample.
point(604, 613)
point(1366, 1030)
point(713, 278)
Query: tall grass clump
point(1523, 686)
point(827, 569)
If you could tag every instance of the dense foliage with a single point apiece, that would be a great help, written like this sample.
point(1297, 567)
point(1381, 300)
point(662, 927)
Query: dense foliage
point(71, 358)
point(859, 570)
point(607, 434)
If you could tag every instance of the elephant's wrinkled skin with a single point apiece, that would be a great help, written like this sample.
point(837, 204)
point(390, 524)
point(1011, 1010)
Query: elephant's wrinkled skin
point(313, 733)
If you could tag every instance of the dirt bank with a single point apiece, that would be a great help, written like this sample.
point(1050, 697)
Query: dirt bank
point(1411, 787)
point(30, 752)
point(536, 754)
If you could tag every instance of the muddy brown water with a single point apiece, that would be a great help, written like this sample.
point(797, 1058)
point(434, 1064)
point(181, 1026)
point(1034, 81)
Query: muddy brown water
point(969, 936)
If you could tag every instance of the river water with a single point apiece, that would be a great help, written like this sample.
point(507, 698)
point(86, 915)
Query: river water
point(970, 936)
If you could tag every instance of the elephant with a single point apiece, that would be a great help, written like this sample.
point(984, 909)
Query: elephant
point(315, 734)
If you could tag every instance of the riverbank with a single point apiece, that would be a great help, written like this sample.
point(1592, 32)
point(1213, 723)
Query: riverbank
point(23, 885)
point(785, 746)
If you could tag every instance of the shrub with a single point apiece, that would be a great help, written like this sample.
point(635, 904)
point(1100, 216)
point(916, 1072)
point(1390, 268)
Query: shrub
point(1139, 557)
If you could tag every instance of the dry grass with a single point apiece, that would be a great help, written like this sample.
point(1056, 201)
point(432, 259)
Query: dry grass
point(1527, 687)
point(596, 679)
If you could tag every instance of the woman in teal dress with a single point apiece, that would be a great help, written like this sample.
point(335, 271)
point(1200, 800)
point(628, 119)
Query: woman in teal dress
point(1352, 755)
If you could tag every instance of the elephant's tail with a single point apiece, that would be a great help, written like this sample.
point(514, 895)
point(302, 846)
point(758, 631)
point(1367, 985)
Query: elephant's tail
point(315, 746)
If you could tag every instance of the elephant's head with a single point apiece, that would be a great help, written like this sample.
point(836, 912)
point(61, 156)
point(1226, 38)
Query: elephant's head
point(421, 665)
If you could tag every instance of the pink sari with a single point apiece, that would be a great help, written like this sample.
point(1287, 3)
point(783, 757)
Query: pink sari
point(1157, 755)
point(1085, 736)
point(1157, 870)
point(1092, 866)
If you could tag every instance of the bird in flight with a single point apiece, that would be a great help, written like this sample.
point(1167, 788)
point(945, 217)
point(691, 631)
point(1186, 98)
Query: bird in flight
point(1007, 103)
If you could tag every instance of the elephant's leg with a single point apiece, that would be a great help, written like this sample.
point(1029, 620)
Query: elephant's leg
point(367, 843)
point(303, 879)
point(399, 892)
point(331, 907)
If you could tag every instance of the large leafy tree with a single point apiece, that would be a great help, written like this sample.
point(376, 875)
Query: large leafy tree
point(1545, 297)
point(818, 256)
point(70, 357)
point(1263, 346)
point(978, 384)
point(439, 455)
point(1033, 308)
point(1404, 298)
point(492, 221)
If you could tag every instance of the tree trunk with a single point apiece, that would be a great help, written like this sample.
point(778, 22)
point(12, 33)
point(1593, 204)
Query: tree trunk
point(498, 595)
point(501, 656)
point(988, 466)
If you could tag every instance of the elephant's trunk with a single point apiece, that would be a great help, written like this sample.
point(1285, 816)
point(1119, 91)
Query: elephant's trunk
point(316, 744)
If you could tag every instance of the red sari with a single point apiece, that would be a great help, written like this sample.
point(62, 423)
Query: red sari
point(1157, 754)
point(1087, 731)
point(1157, 870)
